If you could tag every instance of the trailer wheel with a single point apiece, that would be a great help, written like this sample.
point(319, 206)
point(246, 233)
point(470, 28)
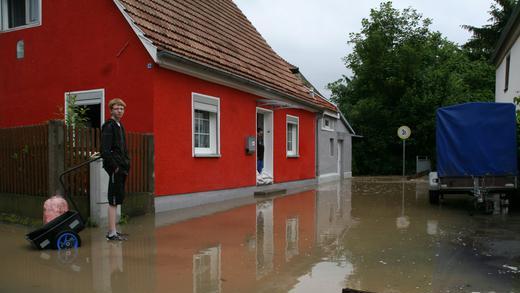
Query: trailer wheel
point(434, 196)
point(68, 240)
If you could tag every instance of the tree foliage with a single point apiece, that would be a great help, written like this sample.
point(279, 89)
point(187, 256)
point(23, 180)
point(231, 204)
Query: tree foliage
point(402, 72)
point(76, 115)
point(484, 39)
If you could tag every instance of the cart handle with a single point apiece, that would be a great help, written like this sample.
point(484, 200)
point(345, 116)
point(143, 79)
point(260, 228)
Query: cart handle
point(96, 156)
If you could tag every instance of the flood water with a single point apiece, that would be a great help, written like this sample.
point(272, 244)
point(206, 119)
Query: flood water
point(372, 234)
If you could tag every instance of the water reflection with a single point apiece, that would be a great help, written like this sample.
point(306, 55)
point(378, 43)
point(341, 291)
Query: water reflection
point(378, 235)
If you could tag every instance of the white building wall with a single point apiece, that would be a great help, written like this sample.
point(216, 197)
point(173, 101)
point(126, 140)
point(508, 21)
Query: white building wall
point(513, 90)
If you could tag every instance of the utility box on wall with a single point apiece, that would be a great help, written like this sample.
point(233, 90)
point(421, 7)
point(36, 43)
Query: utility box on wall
point(250, 145)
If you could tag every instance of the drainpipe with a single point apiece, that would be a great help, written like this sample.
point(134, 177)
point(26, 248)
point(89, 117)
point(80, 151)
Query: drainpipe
point(317, 142)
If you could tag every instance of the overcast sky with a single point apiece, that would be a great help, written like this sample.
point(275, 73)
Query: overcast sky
point(313, 34)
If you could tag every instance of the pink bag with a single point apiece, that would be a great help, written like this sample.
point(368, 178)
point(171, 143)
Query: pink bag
point(53, 208)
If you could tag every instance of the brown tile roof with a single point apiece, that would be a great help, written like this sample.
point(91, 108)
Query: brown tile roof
point(217, 33)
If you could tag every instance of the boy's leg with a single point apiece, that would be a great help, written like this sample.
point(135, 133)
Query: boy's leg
point(112, 213)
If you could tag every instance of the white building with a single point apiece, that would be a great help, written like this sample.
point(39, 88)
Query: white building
point(507, 60)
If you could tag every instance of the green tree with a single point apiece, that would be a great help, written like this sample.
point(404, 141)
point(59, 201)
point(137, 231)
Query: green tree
point(482, 44)
point(402, 72)
point(76, 115)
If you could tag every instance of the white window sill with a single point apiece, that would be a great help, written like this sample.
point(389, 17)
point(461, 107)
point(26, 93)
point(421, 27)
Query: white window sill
point(207, 155)
point(293, 156)
point(20, 27)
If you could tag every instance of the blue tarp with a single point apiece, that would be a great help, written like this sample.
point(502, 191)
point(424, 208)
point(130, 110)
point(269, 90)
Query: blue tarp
point(476, 139)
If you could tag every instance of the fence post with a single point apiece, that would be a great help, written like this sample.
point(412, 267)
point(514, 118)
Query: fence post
point(56, 155)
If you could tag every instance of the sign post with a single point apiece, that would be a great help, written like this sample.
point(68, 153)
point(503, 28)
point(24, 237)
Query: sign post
point(404, 133)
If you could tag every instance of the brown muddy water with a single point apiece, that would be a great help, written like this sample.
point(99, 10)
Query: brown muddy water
point(373, 234)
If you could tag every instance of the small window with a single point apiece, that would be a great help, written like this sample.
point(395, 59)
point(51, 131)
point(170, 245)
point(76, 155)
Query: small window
point(20, 49)
point(205, 125)
point(328, 123)
point(332, 146)
point(508, 64)
point(19, 13)
point(292, 136)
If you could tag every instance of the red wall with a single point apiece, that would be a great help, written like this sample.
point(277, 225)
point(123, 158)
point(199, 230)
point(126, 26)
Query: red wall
point(303, 167)
point(177, 171)
point(81, 45)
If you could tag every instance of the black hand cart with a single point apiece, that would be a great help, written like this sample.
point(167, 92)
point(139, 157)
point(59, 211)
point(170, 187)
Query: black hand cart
point(63, 231)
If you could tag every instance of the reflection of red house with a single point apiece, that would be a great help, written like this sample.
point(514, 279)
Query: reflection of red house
point(195, 73)
point(223, 250)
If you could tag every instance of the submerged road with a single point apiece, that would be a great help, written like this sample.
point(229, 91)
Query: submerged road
point(372, 234)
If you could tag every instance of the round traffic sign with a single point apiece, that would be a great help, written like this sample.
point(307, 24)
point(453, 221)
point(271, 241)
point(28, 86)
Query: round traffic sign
point(404, 132)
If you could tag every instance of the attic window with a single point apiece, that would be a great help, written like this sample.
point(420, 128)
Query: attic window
point(15, 14)
point(328, 123)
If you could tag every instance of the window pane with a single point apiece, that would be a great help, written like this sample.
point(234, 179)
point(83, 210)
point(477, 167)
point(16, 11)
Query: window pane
point(289, 137)
point(205, 141)
point(34, 10)
point(16, 13)
point(201, 131)
point(332, 146)
point(295, 138)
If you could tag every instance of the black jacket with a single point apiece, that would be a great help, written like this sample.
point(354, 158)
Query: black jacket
point(260, 148)
point(113, 147)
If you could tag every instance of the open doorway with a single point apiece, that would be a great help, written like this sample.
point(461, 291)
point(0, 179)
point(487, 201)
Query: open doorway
point(93, 102)
point(264, 122)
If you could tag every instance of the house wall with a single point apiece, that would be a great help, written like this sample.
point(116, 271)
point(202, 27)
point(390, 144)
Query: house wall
point(327, 164)
point(178, 172)
point(81, 45)
point(501, 95)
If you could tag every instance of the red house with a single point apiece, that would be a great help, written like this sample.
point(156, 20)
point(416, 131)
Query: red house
point(196, 74)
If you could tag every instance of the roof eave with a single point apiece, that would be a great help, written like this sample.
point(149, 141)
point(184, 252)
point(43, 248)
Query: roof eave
point(501, 48)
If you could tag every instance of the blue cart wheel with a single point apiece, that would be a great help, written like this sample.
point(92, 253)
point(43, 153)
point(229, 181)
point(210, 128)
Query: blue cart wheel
point(68, 240)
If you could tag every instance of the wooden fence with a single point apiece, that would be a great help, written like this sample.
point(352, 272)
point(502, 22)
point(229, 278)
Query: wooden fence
point(25, 166)
point(24, 160)
point(80, 144)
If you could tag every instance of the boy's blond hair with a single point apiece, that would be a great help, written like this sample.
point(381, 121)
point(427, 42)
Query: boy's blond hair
point(116, 101)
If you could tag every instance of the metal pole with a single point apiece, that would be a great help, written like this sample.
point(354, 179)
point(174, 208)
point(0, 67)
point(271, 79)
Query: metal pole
point(404, 147)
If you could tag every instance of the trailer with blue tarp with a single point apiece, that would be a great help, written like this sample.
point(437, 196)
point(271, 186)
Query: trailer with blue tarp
point(476, 151)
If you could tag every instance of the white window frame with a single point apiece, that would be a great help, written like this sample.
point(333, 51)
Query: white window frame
point(4, 17)
point(293, 153)
point(209, 104)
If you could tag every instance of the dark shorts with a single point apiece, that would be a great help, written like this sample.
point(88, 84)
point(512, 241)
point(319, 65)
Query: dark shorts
point(116, 189)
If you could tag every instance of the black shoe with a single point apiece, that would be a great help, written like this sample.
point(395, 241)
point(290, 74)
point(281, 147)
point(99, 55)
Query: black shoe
point(116, 237)
point(122, 234)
